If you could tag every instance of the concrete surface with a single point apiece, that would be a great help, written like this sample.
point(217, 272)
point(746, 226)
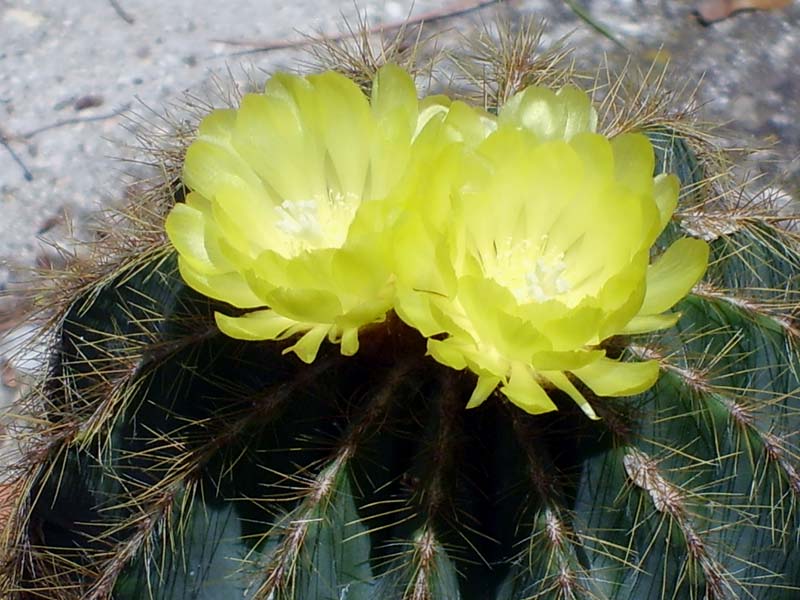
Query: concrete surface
point(81, 64)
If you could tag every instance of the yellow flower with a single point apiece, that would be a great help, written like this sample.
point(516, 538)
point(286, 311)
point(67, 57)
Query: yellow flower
point(288, 207)
point(544, 252)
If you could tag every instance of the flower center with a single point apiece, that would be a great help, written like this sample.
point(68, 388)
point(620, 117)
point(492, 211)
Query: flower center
point(545, 281)
point(299, 219)
point(314, 224)
point(529, 271)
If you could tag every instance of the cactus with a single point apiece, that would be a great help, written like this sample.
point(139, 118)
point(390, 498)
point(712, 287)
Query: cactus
point(165, 459)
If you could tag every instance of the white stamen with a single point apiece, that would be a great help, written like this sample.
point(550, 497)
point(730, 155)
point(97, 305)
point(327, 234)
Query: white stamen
point(319, 222)
point(539, 278)
point(299, 218)
point(545, 281)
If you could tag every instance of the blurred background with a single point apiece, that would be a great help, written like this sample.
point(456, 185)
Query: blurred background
point(76, 76)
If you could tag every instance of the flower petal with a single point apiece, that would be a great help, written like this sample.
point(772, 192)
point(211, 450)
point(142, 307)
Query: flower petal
point(420, 259)
point(361, 271)
point(304, 305)
point(446, 353)
point(256, 325)
point(549, 115)
point(342, 122)
point(666, 190)
point(607, 377)
point(308, 345)
point(524, 391)
point(674, 274)
point(186, 227)
point(483, 389)
point(229, 287)
point(566, 361)
point(645, 323)
point(562, 382)
point(209, 164)
point(634, 161)
point(414, 308)
point(283, 118)
point(349, 341)
point(218, 125)
point(394, 102)
point(580, 114)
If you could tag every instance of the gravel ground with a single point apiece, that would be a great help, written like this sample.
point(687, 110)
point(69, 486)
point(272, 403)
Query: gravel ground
point(70, 71)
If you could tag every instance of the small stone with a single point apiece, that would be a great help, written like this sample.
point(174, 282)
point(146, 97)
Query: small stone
point(88, 101)
point(22, 17)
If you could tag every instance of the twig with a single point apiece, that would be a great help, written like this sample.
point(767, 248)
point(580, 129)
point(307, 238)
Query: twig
point(453, 10)
point(74, 121)
point(584, 15)
point(25, 171)
point(121, 12)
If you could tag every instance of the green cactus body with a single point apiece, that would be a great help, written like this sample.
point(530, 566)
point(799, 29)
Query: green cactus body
point(176, 462)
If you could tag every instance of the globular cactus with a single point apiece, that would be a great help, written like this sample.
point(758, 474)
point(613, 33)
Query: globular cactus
point(178, 448)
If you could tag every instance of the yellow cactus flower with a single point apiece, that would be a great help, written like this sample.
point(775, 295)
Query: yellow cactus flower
point(286, 210)
point(544, 254)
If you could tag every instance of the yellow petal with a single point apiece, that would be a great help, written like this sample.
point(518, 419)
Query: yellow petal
point(483, 389)
point(645, 323)
point(562, 382)
point(564, 361)
point(524, 391)
point(227, 287)
point(549, 115)
point(221, 254)
point(574, 328)
point(303, 271)
point(360, 270)
point(536, 110)
point(308, 345)
point(414, 309)
point(665, 192)
point(519, 339)
point(365, 312)
point(186, 227)
point(634, 161)
point(467, 125)
point(349, 341)
point(446, 353)
point(266, 123)
point(450, 318)
point(420, 257)
point(345, 128)
point(218, 125)
point(674, 274)
point(580, 115)
point(304, 305)
point(432, 111)
point(622, 296)
point(394, 101)
point(483, 359)
point(208, 165)
point(244, 214)
point(257, 325)
point(395, 108)
point(597, 157)
point(483, 300)
point(607, 377)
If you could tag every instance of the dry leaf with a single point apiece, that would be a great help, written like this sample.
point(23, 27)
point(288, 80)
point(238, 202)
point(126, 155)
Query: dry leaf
point(716, 10)
point(8, 374)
